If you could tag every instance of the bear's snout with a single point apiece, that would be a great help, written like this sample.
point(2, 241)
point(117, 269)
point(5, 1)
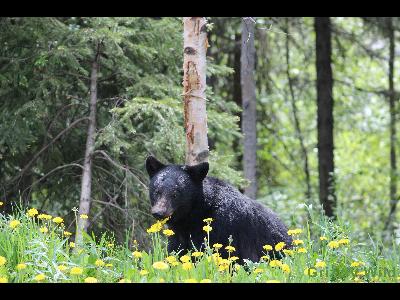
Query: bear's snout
point(161, 210)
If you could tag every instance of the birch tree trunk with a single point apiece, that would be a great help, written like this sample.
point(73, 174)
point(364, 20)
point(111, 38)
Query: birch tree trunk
point(249, 118)
point(86, 187)
point(327, 195)
point(194, 89)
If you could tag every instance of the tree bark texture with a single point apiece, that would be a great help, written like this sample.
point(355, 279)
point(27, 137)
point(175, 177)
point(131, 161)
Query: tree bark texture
point(194, 89)
point(249, 116)
point(325, 115)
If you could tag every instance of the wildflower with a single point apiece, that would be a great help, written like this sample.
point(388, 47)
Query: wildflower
point(123, 280)
point(280, 246)
point(58, 220)
point(44, 216)
point(62, 268)
point(190, 280)
point(174, 263)
point(258, 270)
point(320, 264)
point(168, 232)
point(90, 280)
point(208, 220)
point(344, 241)
point(272, 281)
point(294, 231)
point(165, 220)
point(72, 244)
point(143, 272)
point(285, 268)
point(207, 228)
point(362, 273)
point(205, 280)
point(110, 245)
point(43, 229)
point(21, 266)
point(170, 259)
point(160, 265)
point(217, 246)
point(275, 263)
point(83, 216)
point(323, 238)
point(265, 257)
point(3, 279)
point(187, 266)
point(1, 203)
point(185, 258)
point(298, 242)
point(14, 223)
point(302, 250)
point(32, 212)
point(333, 244)
point(67, 233)
point(197, 254)
point(237, 267)
point(356, 264)
point(267, 247)
point(3, 261)
point(109, 265)
point(223, 267)
point(310, 271)
point(40, 277)
point(161, 280)
point(233, 258)
point(288, 252)
point(137, 254)
point(99, 263)
point(357, 279)
point(230, 248)
point(155, 228)
point(76, 271)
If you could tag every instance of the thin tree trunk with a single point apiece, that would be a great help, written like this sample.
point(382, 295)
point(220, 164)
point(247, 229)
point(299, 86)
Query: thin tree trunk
point(249, 117)
point(325, 115)
point(86, 188)
point(393, 137)
point(296, 120)
point(194, 87)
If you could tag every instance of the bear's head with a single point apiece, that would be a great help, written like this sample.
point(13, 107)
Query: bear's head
point(174, 189)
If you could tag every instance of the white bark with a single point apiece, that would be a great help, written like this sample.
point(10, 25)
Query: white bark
point(194, 89)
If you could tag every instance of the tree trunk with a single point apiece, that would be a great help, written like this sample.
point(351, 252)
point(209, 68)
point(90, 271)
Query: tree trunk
point(299, 133)
point(86, 188)
point(247, 61)
point(393, 138)
point(325, 115)
point(194, 87)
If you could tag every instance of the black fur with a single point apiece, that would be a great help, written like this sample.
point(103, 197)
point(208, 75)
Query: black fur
point(190, 197)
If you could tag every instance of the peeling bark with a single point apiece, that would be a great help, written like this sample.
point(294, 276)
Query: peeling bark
point(194, 89)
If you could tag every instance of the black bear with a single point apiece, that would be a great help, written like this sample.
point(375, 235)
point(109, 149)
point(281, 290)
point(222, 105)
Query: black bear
point(188, 196)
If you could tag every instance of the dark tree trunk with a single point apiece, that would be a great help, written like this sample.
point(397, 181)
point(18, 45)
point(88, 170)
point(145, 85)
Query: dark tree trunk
point(249, 129)
point(325, 115)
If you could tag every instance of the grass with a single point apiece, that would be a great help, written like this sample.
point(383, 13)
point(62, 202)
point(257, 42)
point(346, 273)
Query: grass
point(37, 249)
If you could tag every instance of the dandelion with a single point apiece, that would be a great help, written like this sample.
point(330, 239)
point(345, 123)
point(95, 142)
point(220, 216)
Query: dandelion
point(91, 280)
point(161, 280)
point(137, 254)
point(302, 250)
point(208, 220)
point(323, 238)
point(3, 261)
point(298, 242)
point(160, 265)
point(1, 203)
point(197, 254)
point(76, 271)
point(190, 280)
point(320, 264)
point(40, 277)
point(21, 266)
point(123, 280)
point(222, 268)
point(44, 216)
point(356, 264)
point(217, 246)
point(279, 246)
point(230, 248)
point(14, 223)
point(83, 216)
point(3, 279)
point(265, 258)
point(58, 220)
point(288, 252)
point(72, 245)
point(171, 259)
point(258, 271)
point(333, 244)
point(207, 228)
point(187, 266)
point(143, 272)
point(310, 271)
point(168, 232)
point(205, 280)
point(109, 265)
point(361, 273)
point(43, 229)
point(32, 212)
point(272, 281)
point(110, 245)
point(344, 241)
point(233, 258)
point(67, 233)
point(154, 228)
point(185, 258)
point(294, 231)
point(99, 263)
point(62, 268)
point(275, 263)
point(357, 279)
point(285, 268)
point(267, 247)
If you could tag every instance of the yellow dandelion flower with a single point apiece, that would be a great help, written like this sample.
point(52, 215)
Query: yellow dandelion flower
point(3, 260)
point(161, 280)
point(288, 252)
point(40, 277)
point(160, 265)
point(237, 267)
point(233, 258)
point(344, 241)
point(357, 279)
point(223, 267)
point(99, 263)
point(323, 238)
point(296, 231)
point(267, 247)
point(62, 268)
point(110, 245)
point(58, 220)
point(302, 250)
point(298, 242)
point(72, 245)
point(185, 258)
point(275, 263)
point(197, 254)
point(168, 232)
point(91, 280)
point(265, 257)
point(123, 280)
point(320, 264)
point(137, 254)
point(356, 264)
point(76, 271)
point(361, 273)
point(1, 203)
point(230, 248)
point(217, 246)
point(207, 228)
point(67, 233)
point(310, 271)
point(43, 229)
point(84, 216)
point(333, 244)
point(109, 265)
point(14, 223)
point(272, 281)
point(32, 212)
point(208, 220)
point(3, 279)
point(190, 280)
point(258, 270)
point(143, 272)
point(285, 268)
point(21, 266)
point(174, 263)
point(205, 280)
point(44, 216)
point(154, 228)
point(279, 246)
point(187, 266)
point(170, 259)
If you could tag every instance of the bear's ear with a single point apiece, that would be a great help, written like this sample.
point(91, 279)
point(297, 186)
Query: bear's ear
point(197, 172)
point(153, 165)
